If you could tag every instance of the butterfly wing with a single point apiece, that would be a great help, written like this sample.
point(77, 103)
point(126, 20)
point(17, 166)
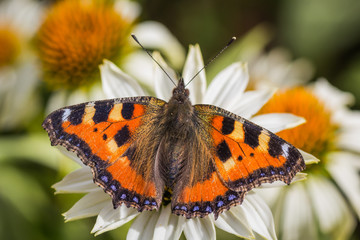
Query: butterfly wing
point(247, 155)
point(236, 156)
point(106, 136)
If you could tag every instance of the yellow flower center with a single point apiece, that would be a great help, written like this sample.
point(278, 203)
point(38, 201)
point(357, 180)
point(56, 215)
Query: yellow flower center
point(9, 46)
point(317, 135)
point(75, 38)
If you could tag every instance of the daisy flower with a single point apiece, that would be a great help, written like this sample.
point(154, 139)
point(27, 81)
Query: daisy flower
point(19, 20)
point(252, 219)
point(324, 205)
point(75, 37)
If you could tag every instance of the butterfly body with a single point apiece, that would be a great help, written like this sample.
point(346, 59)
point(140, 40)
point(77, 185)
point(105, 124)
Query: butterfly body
point(144, 151)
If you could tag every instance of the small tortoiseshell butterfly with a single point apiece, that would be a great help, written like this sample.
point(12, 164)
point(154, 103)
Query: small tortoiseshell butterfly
point(144, 151)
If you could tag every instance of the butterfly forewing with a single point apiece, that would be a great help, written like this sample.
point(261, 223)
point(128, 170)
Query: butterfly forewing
point(105, 135)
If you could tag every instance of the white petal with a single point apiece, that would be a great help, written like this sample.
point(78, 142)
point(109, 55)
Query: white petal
point(78, 181)
point(168, 226)
point(349, 139)
point(194, 62)
point(235, 222)
point(88, 206)
point(117, 84)
point(227, 87)
point(330, 207)
point(128, 9)
point(163, 85)
point(24, 16)
point(251, 102)
point(70, 155)
point(344, 168)
point(199, 229)
point(18, 88)
point(110, 218)
point(276, 122)
point(350, 119)
point(309, 158)
point(332, 97)
point(259, 215)
point(293, 214)
point(144, 226)
point(139, 65)
point(349, 132)
point(155, 35)
point(269, 194)
point(276, 69)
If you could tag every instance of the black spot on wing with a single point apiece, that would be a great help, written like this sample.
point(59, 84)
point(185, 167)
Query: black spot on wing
point(275, 148)
point(76, 115)
point(122, 136)
point(294, 155)
point(223, 151)
point(102, 111)
point(227, 125)
point(252, 133)
point(127, 110)
point(56, 118)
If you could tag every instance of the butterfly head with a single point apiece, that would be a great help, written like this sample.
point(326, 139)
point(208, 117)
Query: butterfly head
point(180, 93)
point(179, 107)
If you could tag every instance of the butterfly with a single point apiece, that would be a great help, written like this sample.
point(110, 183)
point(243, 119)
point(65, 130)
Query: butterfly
point(145, 152)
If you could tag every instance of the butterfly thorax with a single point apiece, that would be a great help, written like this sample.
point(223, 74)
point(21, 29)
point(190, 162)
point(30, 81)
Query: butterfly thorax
point(179, 125)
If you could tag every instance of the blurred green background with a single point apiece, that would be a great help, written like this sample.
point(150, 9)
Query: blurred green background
point(327, 33)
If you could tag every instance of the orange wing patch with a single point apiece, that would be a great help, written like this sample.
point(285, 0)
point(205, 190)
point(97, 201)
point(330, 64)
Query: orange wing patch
point(122, 172)
point(210, 196)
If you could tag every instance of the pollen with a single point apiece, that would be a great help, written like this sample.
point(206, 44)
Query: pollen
point(317, 135)
point(75, 38)
point(9, 46)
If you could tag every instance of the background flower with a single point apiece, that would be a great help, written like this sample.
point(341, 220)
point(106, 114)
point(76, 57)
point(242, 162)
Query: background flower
point(331, 133)
point(76, 36)
point(18, 68)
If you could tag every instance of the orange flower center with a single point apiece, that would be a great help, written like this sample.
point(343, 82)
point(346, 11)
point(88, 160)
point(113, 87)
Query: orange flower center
point(317, 135)
point(9, 46)
point(75, 38)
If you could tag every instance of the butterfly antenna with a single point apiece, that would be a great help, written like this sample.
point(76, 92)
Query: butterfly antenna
point(211, 60)
point(147, 51)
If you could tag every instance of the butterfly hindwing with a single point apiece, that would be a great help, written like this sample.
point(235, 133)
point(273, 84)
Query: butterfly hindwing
point(247, 155)
point(106, 135)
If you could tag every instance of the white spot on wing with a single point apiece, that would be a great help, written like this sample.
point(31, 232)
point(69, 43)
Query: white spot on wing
point(66, 114)
point(285, 149)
